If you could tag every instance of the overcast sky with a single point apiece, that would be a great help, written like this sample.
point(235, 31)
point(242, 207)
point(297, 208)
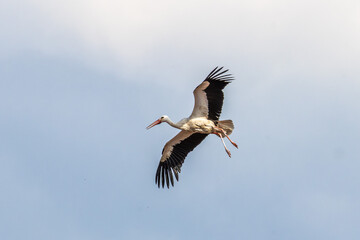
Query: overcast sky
point(80, 80)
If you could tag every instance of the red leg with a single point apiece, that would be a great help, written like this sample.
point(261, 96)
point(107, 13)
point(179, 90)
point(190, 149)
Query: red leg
point(227, 150)
point(223, 131)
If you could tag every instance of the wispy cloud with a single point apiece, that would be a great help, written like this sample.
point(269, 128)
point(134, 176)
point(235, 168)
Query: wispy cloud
point(315, 36)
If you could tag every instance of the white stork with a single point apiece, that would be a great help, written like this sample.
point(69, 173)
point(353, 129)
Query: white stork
point(204, 120)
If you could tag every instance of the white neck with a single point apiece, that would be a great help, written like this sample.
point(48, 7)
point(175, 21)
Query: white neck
point(175, 125)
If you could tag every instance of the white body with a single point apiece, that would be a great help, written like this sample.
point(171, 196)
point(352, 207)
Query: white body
point(198, 125)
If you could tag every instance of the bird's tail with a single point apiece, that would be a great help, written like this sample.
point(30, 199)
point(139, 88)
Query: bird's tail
point(227, 125)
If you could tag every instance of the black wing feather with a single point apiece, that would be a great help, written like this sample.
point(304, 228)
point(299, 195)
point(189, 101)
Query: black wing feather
point(218, 81)
point(173, 163)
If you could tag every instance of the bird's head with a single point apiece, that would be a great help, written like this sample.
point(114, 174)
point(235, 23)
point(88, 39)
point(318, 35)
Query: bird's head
point(163, 118)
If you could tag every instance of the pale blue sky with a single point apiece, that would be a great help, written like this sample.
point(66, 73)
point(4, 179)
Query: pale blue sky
point(80, 81)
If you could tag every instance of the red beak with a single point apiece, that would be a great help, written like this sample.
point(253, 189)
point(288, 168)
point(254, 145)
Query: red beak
point(154, 124)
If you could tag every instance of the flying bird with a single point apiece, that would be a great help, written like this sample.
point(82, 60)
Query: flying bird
point(204, 120)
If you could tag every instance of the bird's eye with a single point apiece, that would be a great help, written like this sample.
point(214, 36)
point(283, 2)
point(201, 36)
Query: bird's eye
point(161, 117)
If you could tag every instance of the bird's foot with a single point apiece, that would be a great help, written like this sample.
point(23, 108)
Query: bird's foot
point(228, 152)
point(235, 145)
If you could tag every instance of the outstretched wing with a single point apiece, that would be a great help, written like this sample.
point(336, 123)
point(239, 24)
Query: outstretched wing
point(209, 96)
point(174, 154)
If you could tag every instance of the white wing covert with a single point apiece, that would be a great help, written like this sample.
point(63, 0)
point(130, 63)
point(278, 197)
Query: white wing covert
point(209, 96)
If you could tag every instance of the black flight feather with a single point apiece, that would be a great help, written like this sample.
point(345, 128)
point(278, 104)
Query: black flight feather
point(173, 163)
point(218, 81)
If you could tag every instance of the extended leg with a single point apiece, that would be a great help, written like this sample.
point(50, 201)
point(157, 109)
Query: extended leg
point(223, 131)
point(227, 150)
